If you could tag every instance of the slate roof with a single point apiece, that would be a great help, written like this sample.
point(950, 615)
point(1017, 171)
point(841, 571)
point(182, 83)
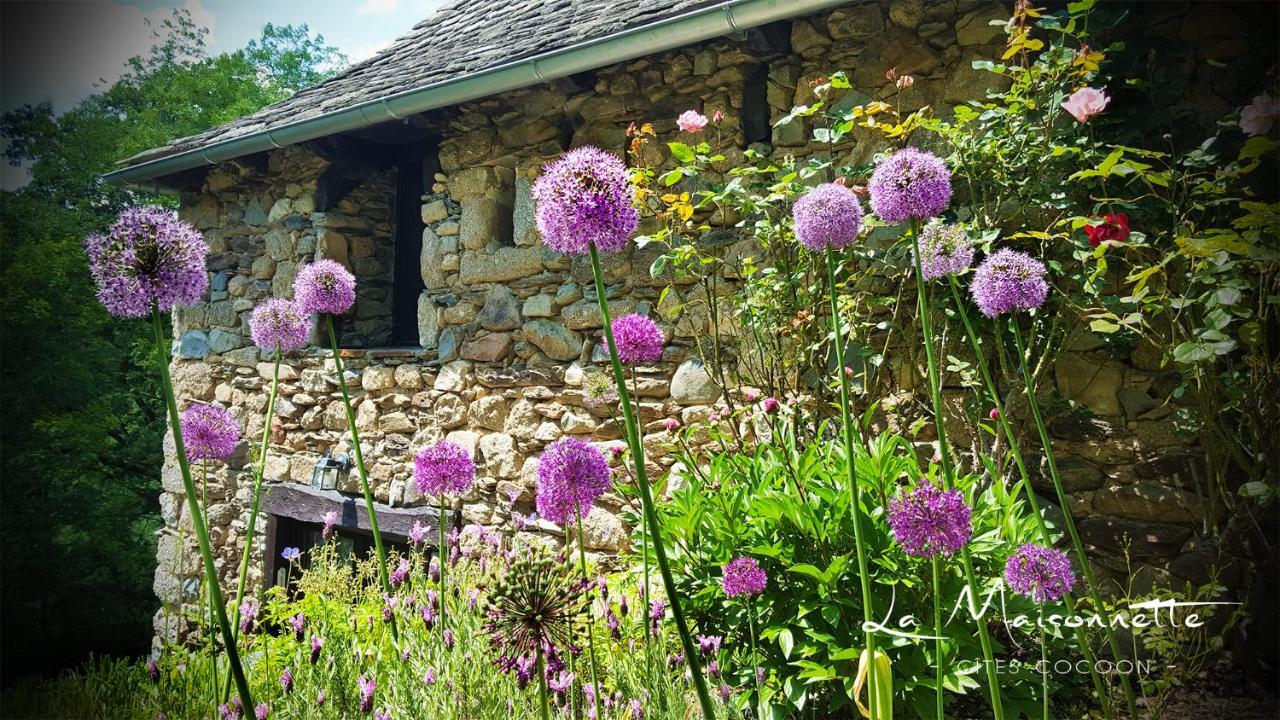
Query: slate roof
point(464, 37)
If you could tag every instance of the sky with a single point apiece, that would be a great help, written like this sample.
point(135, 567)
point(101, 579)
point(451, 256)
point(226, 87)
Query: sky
point(61, 50)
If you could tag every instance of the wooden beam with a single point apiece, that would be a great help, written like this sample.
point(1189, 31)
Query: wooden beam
point(308, 504)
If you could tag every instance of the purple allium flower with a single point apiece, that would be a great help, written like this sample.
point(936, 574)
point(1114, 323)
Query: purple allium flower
point(148, 257)
point(418, 533)
point(445, 467)
point(324, 286)
point(827, 217)
point(291, 553)
point(910, 183)
point(571, 475)
point(584, 198)
point(638, 339)
point(209, 432)
point(317, 643)
point(286, 680)
point(709, 644)
point(367, 686)
point(744, 576)
point(330, 518)
point(1007, 281)
point(279, 325)
point(1040, 573)
point(298, 623)
point(401, 573)
point(153, 670)
point(944, 250)
point(248, 616)
point(929, 521)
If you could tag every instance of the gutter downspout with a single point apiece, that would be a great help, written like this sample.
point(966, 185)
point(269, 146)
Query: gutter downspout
point(723, 19)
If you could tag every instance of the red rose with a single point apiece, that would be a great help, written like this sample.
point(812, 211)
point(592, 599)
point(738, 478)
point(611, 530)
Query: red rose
point(1113, 228)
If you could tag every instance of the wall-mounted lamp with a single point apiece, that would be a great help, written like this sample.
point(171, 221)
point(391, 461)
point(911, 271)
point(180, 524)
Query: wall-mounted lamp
point(324, 475)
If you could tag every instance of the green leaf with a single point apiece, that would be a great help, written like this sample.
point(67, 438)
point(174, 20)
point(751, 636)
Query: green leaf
point(786, 642)
point(672, 177)
point(681, 152)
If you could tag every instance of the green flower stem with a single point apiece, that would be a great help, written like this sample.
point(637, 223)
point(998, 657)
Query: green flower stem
point(1085, 566)
point(923, 309)
point(1044, 665)
point(643, 615)
point(213, 665)
point(441, 559)
point(937, 632)
point(646, 497)
point(755, 657)
point(1082, 640)
point(591, 642)
point(197, 517)
point(364, 481)
point(543, 706)
point(846, 419)
point(254, 505)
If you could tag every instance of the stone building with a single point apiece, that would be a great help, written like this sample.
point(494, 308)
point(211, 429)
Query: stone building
point(413, 169)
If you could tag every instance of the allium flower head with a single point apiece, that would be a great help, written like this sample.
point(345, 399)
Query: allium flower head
point(1040, 573)
point(324, 286)
point(147, 258)
point(1007, 281)
point(691, 121)
point(279, 325)
point(827, 217)
point(571, 475)
point(598, 389)
point(744, 576)
point(533, 607)
point(910, 183)
point(584, 198)
point(944, 250)
point(929, 521)
point(445, 467)
point(209, 432)
point(638, 339)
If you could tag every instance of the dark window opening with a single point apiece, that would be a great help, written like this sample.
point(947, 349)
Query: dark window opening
point(755, 106)
point(407, 282)
point(286, 532)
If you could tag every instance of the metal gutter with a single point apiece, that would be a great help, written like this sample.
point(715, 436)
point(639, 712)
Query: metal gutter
point(723, 19)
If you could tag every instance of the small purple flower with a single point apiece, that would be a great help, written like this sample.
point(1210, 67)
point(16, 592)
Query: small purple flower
point(612, 622)
point(248, 616)
point(317, 643)
point(389, 603)
point(330, 519)
point(672, 425)
point(584, 198)
point(1040, 573)
point(571, 475)
point(1008, 281)
point(657, 611)
point(713, 669)
point(445, 467)
point(760, 674)
point(298, 623)
point(448, 639)
point(944, 250)
point(291, 554)
point(153, 671)
point(428, 614)
point(148, 258)
point(709, 644)
point(279, 325)
point(827, 217)
point(367, 685)
point(637, 709)
point(324, 286)
point(209, 432)
point(929, 521)
point(262, 712)
point(744, 576)
point(380, 715)
point(726, 692)
point(770, 405)
point(401, 573)
point(910, 183)
point(233, 710)
point(418, 533)
point(321, 697)
point(637, 338)
point(286, 680)
point(429, 677)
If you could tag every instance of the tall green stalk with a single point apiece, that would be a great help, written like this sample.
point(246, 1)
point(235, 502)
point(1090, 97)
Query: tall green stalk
point(591, 642)
point(544, 707)
point(846, 421)
point(197, 517)
point(1085, 566)
point(646, 496)
point(755, 656)
point(441, 558)
point(1082, 639)
point(255, 503)
point(937, 633)
point(1044, 665)
point(364, 480)
point(212, 633)
point(923, 310)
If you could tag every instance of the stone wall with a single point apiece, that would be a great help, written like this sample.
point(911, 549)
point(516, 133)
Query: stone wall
point(509, 330)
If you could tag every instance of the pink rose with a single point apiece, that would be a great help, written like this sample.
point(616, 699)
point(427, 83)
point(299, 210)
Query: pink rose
point(1258, 116)
point(691, 121)
point(1085, 103)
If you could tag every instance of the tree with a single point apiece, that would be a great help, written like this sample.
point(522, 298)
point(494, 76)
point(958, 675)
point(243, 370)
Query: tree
point(82, 423)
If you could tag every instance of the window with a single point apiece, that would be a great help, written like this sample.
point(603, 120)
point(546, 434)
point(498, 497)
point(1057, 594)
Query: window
point(406, 284)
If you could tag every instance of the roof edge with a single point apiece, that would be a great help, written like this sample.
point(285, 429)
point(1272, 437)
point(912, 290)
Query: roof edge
point(696, 26)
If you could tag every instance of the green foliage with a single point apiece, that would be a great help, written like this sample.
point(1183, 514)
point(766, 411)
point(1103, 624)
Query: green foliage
point(83, 420)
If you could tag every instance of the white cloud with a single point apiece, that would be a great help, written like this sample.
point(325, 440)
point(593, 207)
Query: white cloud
point(364, 52)
point(378, 6)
